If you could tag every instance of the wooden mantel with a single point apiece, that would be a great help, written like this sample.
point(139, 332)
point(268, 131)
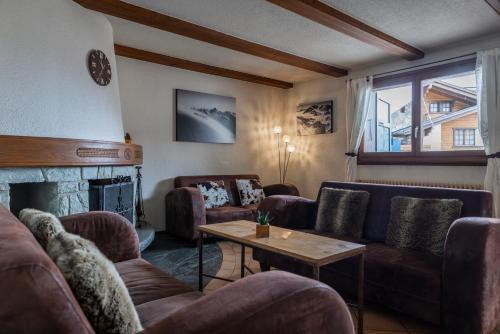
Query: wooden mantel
point(18, 151)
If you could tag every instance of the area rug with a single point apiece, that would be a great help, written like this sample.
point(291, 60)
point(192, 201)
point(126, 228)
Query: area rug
point(180, 258)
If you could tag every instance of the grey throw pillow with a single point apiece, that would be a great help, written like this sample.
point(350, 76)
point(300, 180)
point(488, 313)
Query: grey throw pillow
point(95, 283)
point(421, 224)
point(43, 225)
point(342, 211)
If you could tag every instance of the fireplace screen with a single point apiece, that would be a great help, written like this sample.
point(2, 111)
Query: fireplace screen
point(107, 195)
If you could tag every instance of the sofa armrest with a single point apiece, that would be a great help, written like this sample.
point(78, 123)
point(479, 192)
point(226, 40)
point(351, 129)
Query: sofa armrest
point(281, 189)
point(272, 302)
point(289, 211)
point(185, 210)
point(113, 234)
point(471, 276)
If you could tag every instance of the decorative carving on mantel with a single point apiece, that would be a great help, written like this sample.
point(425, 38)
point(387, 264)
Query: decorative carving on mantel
point(20, 151)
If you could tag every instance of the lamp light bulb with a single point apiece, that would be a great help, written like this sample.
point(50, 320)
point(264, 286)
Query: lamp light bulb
point(286, 139)
point(277, 129)
point(290, 148)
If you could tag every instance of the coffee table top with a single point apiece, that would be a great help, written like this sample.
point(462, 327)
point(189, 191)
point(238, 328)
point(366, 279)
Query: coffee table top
point(310, 248)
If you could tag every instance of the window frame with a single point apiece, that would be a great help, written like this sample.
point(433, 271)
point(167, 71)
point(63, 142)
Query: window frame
point(464, 136)
point(417, 156)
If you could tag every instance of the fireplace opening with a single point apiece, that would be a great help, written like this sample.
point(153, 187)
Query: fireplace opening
point(31, 195)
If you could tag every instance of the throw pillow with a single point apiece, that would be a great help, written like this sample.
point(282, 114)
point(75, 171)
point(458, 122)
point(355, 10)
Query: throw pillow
point(342, 211)
point(251, 191)
point(421, 224)
point(214, 194)
point(95, 283)
point(43, 225)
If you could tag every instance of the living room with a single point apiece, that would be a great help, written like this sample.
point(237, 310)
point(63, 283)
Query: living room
point(337, 159)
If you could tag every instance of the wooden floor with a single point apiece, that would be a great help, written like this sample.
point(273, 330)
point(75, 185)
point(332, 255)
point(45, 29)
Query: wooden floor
point(377, 320)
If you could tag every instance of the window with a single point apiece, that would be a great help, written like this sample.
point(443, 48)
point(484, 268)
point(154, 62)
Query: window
point(434, 107)
point(428, 116)
point(445, 106)
point(464, 137)
point(390, 120)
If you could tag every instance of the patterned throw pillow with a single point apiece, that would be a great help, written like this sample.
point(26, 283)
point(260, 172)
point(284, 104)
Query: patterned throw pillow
point(342, 211)
point(43, 225)
point(214, 193)
point(251, 191)
point(421, 224)
point(95, 283)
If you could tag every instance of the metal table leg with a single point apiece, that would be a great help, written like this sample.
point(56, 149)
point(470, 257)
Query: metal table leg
point(242, 261)
point(361, 278)
point(200, 262)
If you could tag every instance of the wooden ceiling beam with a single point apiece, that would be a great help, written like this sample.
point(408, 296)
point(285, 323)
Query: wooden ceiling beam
point(171, 24)
point(339, 21)
point(157, 58)
point(495, 4)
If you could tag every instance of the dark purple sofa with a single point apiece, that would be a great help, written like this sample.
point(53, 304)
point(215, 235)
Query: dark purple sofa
point(460, 291)
point(185, 206)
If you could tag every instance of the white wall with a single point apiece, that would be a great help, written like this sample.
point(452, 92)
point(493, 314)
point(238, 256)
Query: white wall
point(147, 99)
point(319, 157)
point(45, 87)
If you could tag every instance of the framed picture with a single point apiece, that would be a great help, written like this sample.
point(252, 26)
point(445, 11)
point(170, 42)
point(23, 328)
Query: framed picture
point(315, 118)
point(205, 118)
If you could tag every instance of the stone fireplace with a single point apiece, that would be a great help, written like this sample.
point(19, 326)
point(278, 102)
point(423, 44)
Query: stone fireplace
point(59, 190)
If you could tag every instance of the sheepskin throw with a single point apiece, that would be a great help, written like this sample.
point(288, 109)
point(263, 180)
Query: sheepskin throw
point(43, 225)
point(96, 284)
point(214, 194)
point(421, 224)
point(342, 211)
point(251, 191)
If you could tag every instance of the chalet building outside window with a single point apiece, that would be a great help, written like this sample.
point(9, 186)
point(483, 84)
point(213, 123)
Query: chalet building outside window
point(426, 117)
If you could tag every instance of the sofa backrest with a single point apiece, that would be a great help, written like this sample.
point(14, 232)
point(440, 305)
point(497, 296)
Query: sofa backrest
point(229, 183)
point(476, 203)
point(35, 297)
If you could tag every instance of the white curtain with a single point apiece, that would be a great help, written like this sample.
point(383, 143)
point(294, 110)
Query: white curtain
point(358, 103)
point(488, 83)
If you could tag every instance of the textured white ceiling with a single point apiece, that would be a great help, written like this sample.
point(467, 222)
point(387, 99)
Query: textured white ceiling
point(426, 24)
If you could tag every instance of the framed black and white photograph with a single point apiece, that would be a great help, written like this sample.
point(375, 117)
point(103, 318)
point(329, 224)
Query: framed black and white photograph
point(315, 118)
point(205, 118)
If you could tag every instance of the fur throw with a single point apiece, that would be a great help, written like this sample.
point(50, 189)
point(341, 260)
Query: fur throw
point(251, 191)
point(95, 283)
point(421, 224)
point(342, 211)
point(43, 225)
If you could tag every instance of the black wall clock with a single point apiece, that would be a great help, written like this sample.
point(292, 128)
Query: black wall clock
point(99, 67)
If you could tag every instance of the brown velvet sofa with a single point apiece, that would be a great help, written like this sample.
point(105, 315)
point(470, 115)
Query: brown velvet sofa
point(35, 298)
point(460, 291)
point(185, 207)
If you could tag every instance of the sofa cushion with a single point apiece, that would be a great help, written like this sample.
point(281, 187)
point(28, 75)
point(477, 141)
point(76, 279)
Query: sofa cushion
point(250, 191)
point(43, 225)
point(154, 311)
point(96, 284)
point(214, 193)
point(145, 282)
point(421, 224)
point(228, 213)
point(342, 211)
point(477, 203)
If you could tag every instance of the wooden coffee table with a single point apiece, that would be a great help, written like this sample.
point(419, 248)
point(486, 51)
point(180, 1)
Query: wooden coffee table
point(313, 250)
